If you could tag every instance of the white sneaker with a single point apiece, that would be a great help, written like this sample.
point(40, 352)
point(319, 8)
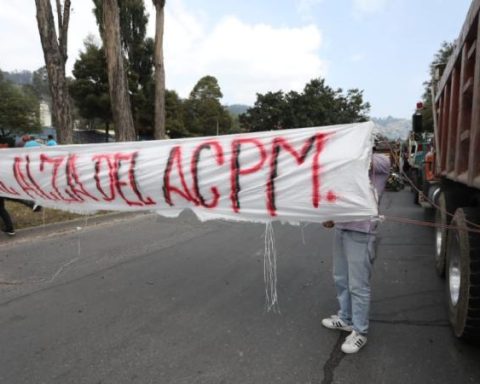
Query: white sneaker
point(354, 342)
point(334, 322)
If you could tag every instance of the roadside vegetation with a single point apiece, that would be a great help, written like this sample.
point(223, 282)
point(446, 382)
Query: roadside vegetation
point(25, 217)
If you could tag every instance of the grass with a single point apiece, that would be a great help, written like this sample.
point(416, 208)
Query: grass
point(23, 216)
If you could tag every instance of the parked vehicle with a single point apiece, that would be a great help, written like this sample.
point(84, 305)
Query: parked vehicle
point(453, 167)
point(414, 151)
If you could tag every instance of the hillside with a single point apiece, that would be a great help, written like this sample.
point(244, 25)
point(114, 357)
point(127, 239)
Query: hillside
point(392, 127)
point(237, 109)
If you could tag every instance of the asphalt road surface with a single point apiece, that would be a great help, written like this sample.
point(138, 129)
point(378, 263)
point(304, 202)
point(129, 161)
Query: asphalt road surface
point(147, 299)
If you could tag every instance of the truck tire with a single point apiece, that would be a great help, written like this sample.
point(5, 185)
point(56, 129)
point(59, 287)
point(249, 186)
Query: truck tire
point(463, 275)
point(446, 204)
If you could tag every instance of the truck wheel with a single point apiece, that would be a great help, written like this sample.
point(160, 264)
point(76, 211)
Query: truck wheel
point(463, 275)
point(442, 219)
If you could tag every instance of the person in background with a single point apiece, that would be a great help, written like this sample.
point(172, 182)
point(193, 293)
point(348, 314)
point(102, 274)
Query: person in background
point(353, 256)
point(8, 229)
point(51, 141)
point(30, 142)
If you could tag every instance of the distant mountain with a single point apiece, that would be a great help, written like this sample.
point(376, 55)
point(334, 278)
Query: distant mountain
point(237, 109)
point(392, 127)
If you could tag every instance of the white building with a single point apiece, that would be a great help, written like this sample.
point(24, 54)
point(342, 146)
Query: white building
point(45, 115)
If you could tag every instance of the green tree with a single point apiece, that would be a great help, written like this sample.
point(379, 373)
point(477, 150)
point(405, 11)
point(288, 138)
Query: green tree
point(352, 107)
point(40, 83)
point(436, 68)
point(269, 112)
point(55, 53)
point(133, 23)
point(159, 131)
point(174, 116)
point(89, 88)
point(137, 52)
point(317, 105)
point(142, 89)
point(19, 109)
point(108, 19)
point(206, 88)
point(204, 114)
point(319, 102)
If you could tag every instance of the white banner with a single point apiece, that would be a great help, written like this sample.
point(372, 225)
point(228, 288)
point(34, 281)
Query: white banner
point(295, 175)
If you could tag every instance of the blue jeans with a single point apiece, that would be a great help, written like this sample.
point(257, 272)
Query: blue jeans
point(353, 256)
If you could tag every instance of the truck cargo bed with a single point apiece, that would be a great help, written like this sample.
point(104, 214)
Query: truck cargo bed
point(457, 107)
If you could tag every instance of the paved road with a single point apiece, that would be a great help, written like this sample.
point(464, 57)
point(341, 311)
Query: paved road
point(155, 300)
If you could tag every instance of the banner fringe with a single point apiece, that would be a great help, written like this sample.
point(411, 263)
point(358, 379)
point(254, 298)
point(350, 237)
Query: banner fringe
point(270, 270)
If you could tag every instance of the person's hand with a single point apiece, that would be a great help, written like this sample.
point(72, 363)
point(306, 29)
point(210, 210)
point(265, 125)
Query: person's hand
point(328, 224)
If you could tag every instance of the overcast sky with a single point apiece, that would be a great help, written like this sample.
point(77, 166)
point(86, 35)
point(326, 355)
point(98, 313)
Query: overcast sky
point(381, 46)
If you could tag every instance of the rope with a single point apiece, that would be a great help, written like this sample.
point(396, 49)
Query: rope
point(428, 224)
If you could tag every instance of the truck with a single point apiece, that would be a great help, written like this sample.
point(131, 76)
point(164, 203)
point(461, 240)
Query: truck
point(454, 188)
point(413, 156)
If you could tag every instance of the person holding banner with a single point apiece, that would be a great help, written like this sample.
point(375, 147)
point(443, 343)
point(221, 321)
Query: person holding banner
point(353, 256)
point(9, 230)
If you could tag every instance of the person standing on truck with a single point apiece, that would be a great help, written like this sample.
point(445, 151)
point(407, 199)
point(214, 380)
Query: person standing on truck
point(353, 256)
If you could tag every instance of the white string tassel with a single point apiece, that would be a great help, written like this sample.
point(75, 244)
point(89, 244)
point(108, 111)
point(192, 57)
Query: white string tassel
point(303, 234)
point(270, 270)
